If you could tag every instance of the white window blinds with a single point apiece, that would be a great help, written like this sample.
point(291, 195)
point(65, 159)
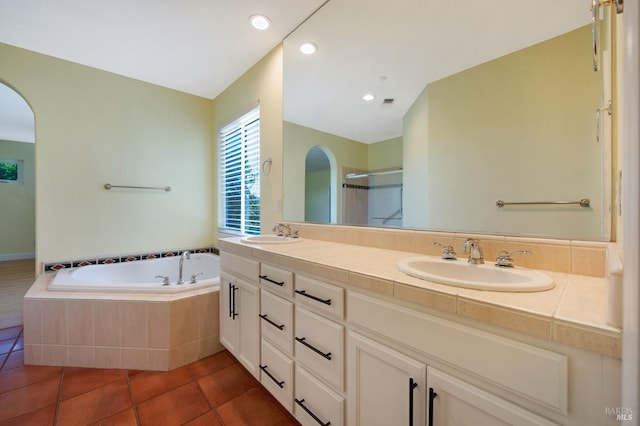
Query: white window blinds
point(240, 175)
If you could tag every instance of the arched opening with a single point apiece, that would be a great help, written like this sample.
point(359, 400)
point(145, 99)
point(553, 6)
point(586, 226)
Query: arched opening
point(320, 193)
point(17, 176)
point(17, 202)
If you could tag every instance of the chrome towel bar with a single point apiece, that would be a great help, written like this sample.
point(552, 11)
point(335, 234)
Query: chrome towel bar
point(585, 202)
point(108, 186)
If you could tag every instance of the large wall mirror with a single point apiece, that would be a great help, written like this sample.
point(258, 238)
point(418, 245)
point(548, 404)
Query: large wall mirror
point(469, 103)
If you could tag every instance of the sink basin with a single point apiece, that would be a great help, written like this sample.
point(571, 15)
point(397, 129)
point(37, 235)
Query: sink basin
point(488, 276)
point(270, 239)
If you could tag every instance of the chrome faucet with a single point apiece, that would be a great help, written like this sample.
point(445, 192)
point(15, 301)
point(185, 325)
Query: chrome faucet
point(504, 258)
point(282, 229)
point(184, 254)
point(472, 246)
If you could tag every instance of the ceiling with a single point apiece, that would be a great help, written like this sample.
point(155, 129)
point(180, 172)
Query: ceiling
point(394, 48)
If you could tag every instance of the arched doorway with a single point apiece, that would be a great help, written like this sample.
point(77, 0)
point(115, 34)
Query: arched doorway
point(17, 176)
point(17, 201)
point(320, 200)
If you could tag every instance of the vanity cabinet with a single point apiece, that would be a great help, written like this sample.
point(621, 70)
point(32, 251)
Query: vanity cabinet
point(239, 307)
point(334, 354)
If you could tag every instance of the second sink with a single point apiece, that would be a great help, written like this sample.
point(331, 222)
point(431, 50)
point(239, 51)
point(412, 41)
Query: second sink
point(459, 273)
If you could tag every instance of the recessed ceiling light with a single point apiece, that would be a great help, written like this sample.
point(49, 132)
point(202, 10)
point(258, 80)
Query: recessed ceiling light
point(259, 22)
point(308, 48)
point(368, 97)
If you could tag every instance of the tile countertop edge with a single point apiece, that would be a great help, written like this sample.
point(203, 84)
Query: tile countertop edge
point(599, 338)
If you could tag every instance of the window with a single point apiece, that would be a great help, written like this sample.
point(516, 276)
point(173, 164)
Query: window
point(239, 189)
point(11, 171)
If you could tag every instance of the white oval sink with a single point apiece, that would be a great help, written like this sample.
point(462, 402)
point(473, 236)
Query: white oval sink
point(488, 276)
point(270, 239)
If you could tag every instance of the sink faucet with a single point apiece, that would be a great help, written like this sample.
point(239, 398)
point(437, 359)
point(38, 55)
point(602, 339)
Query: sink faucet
point(184, 254)
point(472, 246)
point(282, 229)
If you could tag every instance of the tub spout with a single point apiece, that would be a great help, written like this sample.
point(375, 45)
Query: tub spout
point(184, 254)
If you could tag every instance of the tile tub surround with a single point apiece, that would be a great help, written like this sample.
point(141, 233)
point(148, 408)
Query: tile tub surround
point(118, 330)
point(574, 313)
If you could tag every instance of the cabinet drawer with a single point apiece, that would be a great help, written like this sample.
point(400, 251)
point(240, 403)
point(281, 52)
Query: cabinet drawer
point(320, 346)
point(315, 403)
point(240, 266)
point(320, 296)
point(276, 279)
point(276, 316)
point(276, 374)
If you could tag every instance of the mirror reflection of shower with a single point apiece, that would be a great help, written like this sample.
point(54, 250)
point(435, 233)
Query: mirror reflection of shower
point(317, 202)
point(372, 198)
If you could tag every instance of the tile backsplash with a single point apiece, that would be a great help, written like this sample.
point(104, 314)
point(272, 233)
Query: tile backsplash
point(569, 256)
point(127, 257)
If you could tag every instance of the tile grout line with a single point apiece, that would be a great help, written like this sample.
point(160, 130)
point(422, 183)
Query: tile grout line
point(133, 401)
point(59, 399)
point(213, 409)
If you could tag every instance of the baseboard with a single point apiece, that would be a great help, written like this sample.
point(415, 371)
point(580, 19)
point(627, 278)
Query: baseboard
point(17, 256)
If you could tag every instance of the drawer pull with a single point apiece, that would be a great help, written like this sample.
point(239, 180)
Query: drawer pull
point(266, 278)
point(278, 326)
point(311, 296)
point(313, 348)
point(279, 383)
point(300, 402)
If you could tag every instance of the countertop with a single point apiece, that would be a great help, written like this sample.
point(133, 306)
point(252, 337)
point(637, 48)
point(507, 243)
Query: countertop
point(573, 313)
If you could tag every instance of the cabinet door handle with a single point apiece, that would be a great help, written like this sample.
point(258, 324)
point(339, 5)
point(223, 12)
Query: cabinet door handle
point(277, 382)
point(266, 278)
point(233, 292)
point(311, 296)
point(432, 396)
point(230, 300)
point(300, 402)
point(313, 348)
point(412, 386)
point(266, 318)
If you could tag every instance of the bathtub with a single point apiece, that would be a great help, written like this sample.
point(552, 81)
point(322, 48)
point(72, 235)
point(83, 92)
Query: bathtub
point(140, 276)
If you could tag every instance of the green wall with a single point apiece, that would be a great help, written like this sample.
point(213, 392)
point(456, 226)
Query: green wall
point(17, 202)
point(94, 127)
point(518, 128)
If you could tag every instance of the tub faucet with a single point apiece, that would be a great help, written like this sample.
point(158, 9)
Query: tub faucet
point(184, 254)
point(472, 246)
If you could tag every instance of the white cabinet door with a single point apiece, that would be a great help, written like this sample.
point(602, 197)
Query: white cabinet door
point(247, 309)
point(239, 321)
point(228, 325)
point(385, 387)
point(457, 403)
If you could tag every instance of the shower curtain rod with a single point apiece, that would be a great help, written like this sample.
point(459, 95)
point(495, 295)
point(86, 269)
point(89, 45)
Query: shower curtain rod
point(362, 175)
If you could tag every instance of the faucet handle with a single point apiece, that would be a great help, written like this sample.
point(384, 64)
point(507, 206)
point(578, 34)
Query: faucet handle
point(296, 234)
point(504, 258)
point(195, 276)
point(165, 279)
point(448, 253)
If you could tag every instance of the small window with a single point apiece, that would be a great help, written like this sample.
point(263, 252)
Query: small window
point(11, 171)
point(239, 187)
